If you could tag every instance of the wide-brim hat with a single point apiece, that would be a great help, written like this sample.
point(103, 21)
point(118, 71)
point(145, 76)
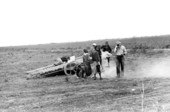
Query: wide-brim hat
point(118, 42)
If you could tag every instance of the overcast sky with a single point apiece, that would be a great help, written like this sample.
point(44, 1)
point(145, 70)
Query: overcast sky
point(24, 22)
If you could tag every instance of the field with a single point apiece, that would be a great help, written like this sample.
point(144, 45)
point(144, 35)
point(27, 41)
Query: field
point(145, 87)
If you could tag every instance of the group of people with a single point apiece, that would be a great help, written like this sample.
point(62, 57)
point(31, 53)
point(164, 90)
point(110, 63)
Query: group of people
point(94, 57)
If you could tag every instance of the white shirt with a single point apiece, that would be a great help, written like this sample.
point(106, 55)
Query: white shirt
point(120, 50)
point(106, 54)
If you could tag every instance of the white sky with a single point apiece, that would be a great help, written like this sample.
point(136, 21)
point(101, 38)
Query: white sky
point(25, 22)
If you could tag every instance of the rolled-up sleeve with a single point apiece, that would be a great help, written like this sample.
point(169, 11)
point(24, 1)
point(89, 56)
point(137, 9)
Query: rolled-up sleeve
point(115, 49)
point(124, 50)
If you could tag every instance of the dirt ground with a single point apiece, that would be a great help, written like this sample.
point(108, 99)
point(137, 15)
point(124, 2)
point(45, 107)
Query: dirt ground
point(145, 86)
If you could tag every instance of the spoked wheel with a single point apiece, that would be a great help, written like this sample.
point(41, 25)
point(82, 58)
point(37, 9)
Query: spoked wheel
point(70, 68)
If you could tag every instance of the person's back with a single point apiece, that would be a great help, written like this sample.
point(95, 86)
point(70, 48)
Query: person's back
point(86, 58)
point(106, 47)
point(94, 53)
point(98, 49)
point(87, 63)
point(95, 56)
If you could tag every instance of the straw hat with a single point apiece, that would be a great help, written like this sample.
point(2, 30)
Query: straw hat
point(118, 42)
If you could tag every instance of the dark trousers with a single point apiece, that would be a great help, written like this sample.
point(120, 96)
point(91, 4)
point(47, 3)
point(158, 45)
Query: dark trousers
point(100, 60)
point(97, 70)
point(120, 65)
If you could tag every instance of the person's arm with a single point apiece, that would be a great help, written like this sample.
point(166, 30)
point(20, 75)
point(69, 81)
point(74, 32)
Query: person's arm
point(124, 50)
point(110, 50)
point(97, 57)
point(102, 47)
point(115, 49)
point(83, 59)
point(89, 57)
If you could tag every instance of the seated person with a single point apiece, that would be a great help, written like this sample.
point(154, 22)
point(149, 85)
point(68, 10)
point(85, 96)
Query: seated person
point(62, 60)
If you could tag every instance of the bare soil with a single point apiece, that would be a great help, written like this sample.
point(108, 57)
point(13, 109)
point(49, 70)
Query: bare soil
point(55, 94)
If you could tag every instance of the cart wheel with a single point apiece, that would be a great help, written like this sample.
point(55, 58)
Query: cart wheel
point(70, 68)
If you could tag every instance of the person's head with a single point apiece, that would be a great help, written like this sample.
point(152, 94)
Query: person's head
point(106, 43)
point(94, 45)
point(92, 48)
point(98, 47)
point(85, 51)
point(118, 43)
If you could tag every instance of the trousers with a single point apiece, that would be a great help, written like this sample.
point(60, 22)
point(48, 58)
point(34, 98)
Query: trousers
point(120, 65)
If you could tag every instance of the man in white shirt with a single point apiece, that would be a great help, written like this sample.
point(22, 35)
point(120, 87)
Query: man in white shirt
point(120, 52)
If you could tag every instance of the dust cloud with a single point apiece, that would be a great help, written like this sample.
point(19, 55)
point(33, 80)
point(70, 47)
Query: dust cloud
point(156, 68)
point(153, 67)
point(108, 71)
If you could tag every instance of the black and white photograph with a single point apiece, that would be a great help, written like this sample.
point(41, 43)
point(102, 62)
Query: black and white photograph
point(84, 56)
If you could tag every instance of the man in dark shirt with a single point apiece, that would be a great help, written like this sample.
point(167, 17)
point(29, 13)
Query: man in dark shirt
point(96, 61)
point(98, 49)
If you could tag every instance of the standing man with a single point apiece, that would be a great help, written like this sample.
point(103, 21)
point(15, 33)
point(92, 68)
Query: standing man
point(120, 52)
point(96, 61)
point(107, 48)
point(98, 49)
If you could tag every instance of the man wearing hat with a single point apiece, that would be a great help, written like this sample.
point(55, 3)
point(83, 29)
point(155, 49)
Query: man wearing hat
point(96, 61)
point(120, 52)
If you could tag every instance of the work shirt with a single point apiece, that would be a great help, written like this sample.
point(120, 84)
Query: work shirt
point(106, 54)
point(95, 56)
point(120, 50)
point(98, 50)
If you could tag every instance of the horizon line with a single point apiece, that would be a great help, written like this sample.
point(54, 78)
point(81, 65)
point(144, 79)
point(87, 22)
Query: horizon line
point(24, 45)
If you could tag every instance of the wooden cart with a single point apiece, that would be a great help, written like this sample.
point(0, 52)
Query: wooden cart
point(68, 68)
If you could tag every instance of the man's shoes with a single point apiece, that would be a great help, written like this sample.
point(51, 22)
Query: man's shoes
point(122, 74)
point(118, 75)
